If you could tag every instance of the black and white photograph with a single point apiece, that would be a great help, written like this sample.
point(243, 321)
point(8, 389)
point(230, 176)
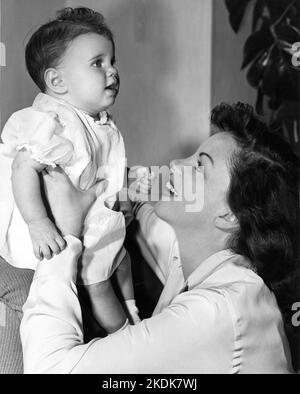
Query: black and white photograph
point(150, 190)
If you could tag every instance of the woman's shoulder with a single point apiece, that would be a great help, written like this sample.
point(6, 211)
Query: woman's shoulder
point(234, 290)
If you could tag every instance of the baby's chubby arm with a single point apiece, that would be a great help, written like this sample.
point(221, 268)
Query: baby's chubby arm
point(27, 193)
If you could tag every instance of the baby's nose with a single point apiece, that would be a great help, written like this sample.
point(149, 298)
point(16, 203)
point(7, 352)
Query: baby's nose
point(112, 72)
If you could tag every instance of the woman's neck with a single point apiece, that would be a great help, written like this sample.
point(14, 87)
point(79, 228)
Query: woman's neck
point(194, 249)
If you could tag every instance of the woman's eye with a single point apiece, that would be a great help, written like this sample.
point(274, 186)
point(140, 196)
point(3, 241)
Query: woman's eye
point(199, 165)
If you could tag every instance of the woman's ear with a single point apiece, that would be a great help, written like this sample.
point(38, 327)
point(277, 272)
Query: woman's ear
point(227, 222)
point(54, 81)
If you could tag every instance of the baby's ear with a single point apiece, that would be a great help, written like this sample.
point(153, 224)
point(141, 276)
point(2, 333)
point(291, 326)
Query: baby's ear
point(54, 81)
point(226, 222)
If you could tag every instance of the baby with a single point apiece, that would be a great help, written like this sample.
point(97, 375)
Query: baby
point(72, 61)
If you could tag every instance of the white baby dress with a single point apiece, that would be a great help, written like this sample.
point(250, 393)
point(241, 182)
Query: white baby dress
point(55, 133)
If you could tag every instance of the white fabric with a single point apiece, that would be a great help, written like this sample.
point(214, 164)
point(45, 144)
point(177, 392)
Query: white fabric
point(132, 310)
point(227, 322)
point(57, 134)
point(159, 246)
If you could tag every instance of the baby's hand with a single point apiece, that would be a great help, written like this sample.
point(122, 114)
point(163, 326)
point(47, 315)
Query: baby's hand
point(45, 238)
point(143, 179)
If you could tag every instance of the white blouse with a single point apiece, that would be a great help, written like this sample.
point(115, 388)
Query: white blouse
point(56, 133)
point(226, 322)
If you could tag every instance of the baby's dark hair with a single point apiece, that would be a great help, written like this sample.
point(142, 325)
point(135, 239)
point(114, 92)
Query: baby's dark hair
point(48, 44)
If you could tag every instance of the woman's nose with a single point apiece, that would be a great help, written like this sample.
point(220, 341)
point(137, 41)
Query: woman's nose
point(179, 164)
point(176, 167)
point(174, 163)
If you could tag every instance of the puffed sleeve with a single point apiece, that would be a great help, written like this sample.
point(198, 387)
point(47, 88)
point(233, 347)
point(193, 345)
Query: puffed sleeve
point(40, 133)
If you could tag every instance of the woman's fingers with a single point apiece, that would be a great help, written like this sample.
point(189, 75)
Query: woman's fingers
point(56, 176)
point(99, 188)
point(56, 172)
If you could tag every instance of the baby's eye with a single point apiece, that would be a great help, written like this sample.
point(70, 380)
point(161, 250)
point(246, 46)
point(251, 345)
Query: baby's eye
point(98, 63)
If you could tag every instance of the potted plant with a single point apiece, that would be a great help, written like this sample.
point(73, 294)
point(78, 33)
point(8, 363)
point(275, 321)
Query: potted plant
point(272, 56)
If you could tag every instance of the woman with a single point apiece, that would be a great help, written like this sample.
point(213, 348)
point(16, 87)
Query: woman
point(239, 246)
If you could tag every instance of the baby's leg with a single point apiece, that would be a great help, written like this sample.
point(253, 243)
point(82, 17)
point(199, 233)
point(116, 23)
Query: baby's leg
point(105, 306)
point(103, 237)
point(124, 278)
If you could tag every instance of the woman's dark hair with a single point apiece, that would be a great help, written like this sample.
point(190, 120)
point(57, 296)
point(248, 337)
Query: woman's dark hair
point(48, 44)
point(263, 195)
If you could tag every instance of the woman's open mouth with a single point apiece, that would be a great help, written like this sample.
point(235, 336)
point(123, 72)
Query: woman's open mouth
point(171, 188)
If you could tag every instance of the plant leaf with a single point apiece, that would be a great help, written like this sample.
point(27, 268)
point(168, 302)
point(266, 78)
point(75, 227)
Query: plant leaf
point(259, 106)
point(271, 74)
point(259, 41)
point(257, 68)
point(286, 47)
point(287, 33)
point(257, 13)
point(278, 7)
point(289, 84)
point(274, 102)
point(236, 10)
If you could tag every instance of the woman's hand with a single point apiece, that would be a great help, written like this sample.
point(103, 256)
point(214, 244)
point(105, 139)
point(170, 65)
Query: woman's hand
point(69, 205)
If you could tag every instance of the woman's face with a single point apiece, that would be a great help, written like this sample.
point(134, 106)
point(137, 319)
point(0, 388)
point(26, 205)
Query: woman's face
point(206, 176)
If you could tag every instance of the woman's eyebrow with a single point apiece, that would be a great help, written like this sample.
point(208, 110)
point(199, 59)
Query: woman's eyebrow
point(208, 156)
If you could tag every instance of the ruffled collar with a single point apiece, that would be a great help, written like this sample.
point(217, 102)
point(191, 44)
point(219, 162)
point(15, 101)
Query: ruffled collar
point(104, 117)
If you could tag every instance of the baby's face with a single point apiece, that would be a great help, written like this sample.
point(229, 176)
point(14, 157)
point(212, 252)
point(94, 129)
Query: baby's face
point(88, 70)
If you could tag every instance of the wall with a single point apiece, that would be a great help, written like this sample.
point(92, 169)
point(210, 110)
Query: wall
point(18, 19)
point(229, 83)
point(163, 54)
point(164, 57)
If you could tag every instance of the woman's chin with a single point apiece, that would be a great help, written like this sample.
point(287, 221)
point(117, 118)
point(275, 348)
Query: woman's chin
point(159, 209)
point(165, 209)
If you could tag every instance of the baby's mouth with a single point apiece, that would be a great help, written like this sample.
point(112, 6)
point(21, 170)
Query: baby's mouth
point(114, 87)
